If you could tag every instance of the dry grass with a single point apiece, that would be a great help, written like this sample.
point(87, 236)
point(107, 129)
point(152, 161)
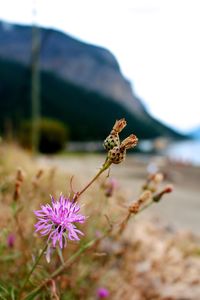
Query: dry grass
point(148, 261)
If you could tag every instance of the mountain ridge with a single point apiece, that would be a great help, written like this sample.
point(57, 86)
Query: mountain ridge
point(75, 70)
point(87, 65)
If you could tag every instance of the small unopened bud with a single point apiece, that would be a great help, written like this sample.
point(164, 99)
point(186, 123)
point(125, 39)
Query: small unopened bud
point(168, 189)
point(129, 142)
point(11, 240)
point(135, 207)
point(102, 293)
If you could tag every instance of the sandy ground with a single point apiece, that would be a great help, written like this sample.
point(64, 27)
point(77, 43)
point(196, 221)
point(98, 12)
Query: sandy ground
point(180, 208)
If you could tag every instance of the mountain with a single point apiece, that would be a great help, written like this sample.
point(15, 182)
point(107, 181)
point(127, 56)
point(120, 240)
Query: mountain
point(81, 84)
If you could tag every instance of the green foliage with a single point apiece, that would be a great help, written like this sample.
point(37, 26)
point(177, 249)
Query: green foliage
point(52, 135)
point(88, 114)
point(7, 292)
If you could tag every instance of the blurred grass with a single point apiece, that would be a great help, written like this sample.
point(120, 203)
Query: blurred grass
point(149, 261)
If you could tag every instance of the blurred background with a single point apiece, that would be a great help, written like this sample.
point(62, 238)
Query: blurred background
point(69, 69)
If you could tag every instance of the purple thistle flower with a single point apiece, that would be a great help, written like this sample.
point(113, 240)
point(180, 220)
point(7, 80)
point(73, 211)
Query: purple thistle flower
point(11, 240)
point(57, 221)
point(102, 293)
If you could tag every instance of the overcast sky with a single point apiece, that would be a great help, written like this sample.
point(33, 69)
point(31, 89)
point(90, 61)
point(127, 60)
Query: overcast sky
point(157, 44)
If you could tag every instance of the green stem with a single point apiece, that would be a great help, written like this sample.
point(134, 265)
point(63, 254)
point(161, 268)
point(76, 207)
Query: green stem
point(72, 258)
point(105, 166)
point(66, 264)
point(60, 254)
point(32, 269)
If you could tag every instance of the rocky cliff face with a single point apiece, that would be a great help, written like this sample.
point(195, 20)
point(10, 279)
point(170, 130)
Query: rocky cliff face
point(81, 84)
point(91, 67)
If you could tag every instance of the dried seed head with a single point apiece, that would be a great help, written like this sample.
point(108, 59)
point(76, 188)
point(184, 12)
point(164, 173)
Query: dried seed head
point(134, 208)
point(116, 155)
point(144, 197)
point(111, 141)
point(18, 183)
point(130, 142)
point(119, 126)
point(117, 151)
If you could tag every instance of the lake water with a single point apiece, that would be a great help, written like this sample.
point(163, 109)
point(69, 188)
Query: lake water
point(186, 151)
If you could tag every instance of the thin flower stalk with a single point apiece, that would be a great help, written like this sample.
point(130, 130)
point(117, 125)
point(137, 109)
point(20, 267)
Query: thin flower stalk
point(105, 166)
point(144, 201)
point(32, 269)
point(135, 208)
point(60, 269)
point(69, 262)
point(116, 151)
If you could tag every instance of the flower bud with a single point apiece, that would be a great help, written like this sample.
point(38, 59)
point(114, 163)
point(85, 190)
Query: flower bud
point(102, 293)
point(144, 197)
point(130, 142)
point(113, 139)
point(119, 126)
point(116, 155)
point(11, 240)
point(168, 189)
point(134, 208)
